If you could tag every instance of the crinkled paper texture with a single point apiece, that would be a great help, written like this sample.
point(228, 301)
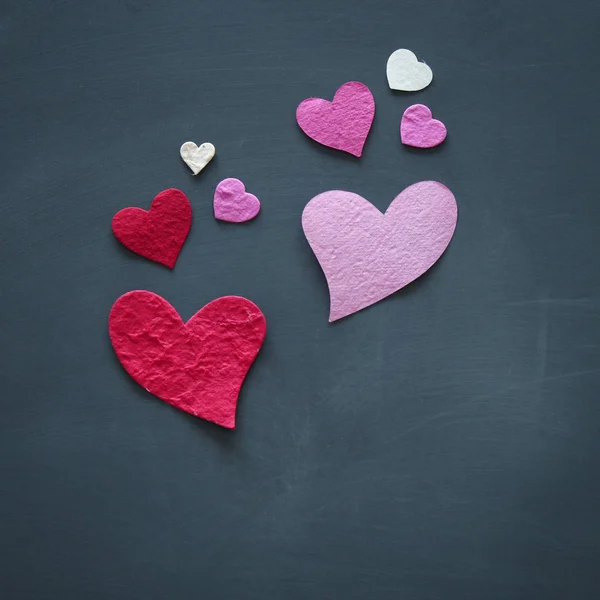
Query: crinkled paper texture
point(343, 124)
point(232, 203)
point(366, 255)
point(419, 129)
point(197, 157)
point(159, 233)
point(406, 73)
point(198, 366)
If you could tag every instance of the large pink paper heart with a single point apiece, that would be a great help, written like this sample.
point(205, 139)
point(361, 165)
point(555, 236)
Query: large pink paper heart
point(232, 203)
point(343, 124)
point(419, 129)
point(367, 255)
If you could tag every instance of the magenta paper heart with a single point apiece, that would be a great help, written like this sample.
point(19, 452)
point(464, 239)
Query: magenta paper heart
point(343, 124)
point(232, 203)
point(419, 129)
point(367, 255)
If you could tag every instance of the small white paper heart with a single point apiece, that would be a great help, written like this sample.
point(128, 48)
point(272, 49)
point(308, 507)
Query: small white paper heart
point(197, 157)
point(406, 73)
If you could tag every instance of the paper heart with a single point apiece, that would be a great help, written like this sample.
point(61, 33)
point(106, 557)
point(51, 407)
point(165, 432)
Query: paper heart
point(159, 233)
point(419, 129)
point(198, 366)
point(197, 157)
point(232, 203)
point(366, 255)
point(406, 73)
point(343, 124)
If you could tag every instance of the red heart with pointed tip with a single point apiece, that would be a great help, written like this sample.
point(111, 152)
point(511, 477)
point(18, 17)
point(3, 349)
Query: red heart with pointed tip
point(159, 233)
point(198, 366)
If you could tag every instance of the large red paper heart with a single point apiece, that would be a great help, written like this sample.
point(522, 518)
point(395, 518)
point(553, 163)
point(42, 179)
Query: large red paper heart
point(198, 366)
point(158, 233)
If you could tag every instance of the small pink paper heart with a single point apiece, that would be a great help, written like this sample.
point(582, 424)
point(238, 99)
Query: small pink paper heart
point(419, 129)
point(343, 124)
point(232, 203)
point(367, 255)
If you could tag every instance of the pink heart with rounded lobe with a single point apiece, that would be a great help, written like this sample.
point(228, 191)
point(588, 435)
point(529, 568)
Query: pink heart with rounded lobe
point(419, 129)
point(366, 255)
point(343, 124)
point(232, 203)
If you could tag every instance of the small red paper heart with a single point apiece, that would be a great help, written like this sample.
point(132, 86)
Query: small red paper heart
point(198, 366)
point(159, 233)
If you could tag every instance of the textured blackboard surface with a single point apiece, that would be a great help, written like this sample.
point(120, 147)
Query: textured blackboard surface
point(442, 444)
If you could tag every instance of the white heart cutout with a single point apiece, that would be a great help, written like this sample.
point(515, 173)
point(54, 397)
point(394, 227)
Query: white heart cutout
point(197, 157)
point(406, 73)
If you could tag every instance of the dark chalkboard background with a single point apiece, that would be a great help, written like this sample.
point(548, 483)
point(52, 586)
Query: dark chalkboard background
point(442, 444)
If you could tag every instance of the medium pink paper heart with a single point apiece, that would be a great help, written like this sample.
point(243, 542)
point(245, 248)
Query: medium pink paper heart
point(367, 255)
point(232, 203)
point(419, 129)
point(343, 124)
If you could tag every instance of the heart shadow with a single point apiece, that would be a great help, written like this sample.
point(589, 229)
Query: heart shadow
point(420, 151)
